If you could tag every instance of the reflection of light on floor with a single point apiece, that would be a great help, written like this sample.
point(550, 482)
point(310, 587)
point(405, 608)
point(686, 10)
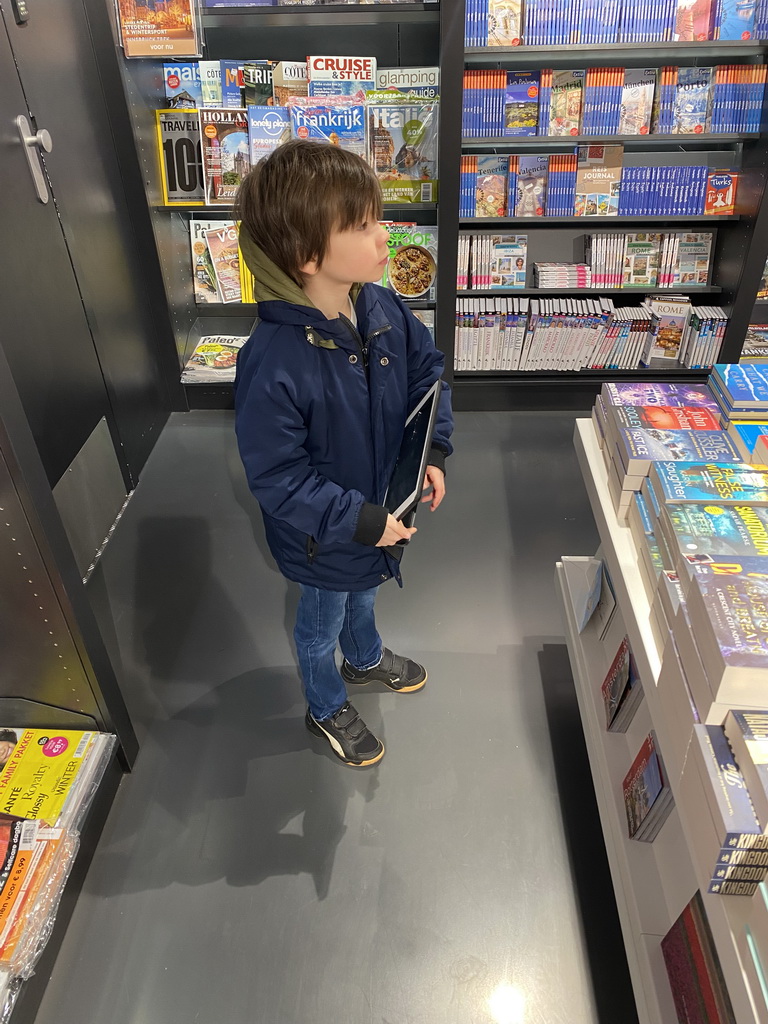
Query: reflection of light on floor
point(507, 1005)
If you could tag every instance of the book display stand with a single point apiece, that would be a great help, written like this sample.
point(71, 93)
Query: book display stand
point(430, 34)
point(653, 881)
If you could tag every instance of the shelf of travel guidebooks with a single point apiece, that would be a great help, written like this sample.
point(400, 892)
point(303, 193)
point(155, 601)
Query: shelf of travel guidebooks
point(735, 922)
point(553, 143)
point(638, 54)
point(595, 222)
point(330, 15)
point(623, 292)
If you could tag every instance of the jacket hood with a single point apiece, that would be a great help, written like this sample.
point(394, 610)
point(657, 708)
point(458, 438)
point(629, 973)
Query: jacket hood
point(271, 284)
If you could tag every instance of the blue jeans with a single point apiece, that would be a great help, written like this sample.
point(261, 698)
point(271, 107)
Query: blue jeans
point(324, 619)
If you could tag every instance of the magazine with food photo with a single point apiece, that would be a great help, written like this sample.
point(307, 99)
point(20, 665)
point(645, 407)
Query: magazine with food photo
point(411, 270)
point(225, 257)
point(214, 359)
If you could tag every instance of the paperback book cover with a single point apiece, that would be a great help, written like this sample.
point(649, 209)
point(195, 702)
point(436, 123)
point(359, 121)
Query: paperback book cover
point(737, 609)
point(693, 258)
point(743, 384)
point(641, 260)
point(339, 120)
point(181, 163)
point(214, 359)
point(598, 181)
point(225, 257)
point(565, 102)
point(706, 533)
point(289, 78)
point(668, 321)
point(693, 101)
point(642, 786)
point(641, 447)
point(736, 19)
point(508, 263)
point(661, 417)
point(747, 735)
point(621, 678)
point(657, 393)
point(504, 22)
point(695, 976)
point(268, 128)
point(491, 186)
point(736, 484)
point(746, 435)
point(340, 76)
point(182, 85)
point(224, 139)
point(158, 30)
point(521, 103)
point(531, 186)
point(257, 83)
point(637, 101)
point(403, 133)
point(411, 269)
point(693, 20)
point(720, 195)
point(203, 275)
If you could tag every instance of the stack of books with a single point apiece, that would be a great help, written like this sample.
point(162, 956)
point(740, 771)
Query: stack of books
point(741, 390)
point(693, 967)
point(750, 436)
point(562, 275)
point(639, 425)
point(621, 689)
point(647, 796)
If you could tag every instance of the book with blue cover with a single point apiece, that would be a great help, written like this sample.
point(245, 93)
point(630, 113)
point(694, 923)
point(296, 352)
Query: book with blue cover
point(735, 610)
point(745, 435)
point(736, 19)
point(743, 384)
point(724, 483)
point(706, 533)
point(639, 448)
point(693, 101)
point(521, 103)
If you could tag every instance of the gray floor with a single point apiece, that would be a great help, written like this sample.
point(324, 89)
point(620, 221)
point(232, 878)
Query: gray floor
point(246, 876)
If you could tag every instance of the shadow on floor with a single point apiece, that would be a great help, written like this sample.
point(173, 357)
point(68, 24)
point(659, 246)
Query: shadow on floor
point(602, 931)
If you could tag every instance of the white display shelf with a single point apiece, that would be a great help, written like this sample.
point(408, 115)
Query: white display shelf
point(729, 917)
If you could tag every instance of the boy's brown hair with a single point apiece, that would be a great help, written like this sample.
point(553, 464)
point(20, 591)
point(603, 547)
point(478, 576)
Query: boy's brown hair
point(293, 199)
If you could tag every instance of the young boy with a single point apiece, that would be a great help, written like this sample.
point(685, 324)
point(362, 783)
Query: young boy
point(324, 386)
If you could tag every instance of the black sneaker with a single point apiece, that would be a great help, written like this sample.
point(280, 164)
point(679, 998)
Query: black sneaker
point(395, 671)
point(350, 738)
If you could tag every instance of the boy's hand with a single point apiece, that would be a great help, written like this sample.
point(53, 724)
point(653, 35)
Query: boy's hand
point(393, 532)
point(434, 481)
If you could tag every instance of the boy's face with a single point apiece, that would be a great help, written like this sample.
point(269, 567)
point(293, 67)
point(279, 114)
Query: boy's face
point(357, 254)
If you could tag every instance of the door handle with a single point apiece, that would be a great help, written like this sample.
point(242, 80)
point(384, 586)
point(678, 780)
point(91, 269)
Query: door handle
point(34, 145)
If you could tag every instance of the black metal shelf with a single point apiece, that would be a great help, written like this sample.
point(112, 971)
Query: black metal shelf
point(588, 292)
point(197, 208)
point(566, 376)
point(566, 142)
point(244, 309)
point(613, 53)
point(606, 222)
point(331, 15)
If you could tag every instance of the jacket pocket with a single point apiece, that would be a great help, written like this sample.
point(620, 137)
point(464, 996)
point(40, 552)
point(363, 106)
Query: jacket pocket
point(311, 549)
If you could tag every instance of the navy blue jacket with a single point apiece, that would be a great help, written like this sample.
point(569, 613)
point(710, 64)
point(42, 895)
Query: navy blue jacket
point(319, 432)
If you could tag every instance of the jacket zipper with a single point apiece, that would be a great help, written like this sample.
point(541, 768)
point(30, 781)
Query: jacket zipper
point(358, 338)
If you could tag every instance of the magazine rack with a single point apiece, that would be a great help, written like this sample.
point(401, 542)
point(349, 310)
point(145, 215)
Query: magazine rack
point(653, 882)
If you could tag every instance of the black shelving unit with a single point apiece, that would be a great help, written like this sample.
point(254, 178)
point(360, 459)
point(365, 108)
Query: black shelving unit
point(741, 242)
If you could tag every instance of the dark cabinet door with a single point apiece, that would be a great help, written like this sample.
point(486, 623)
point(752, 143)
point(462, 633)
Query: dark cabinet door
point(65, 93)
point(43, 326)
